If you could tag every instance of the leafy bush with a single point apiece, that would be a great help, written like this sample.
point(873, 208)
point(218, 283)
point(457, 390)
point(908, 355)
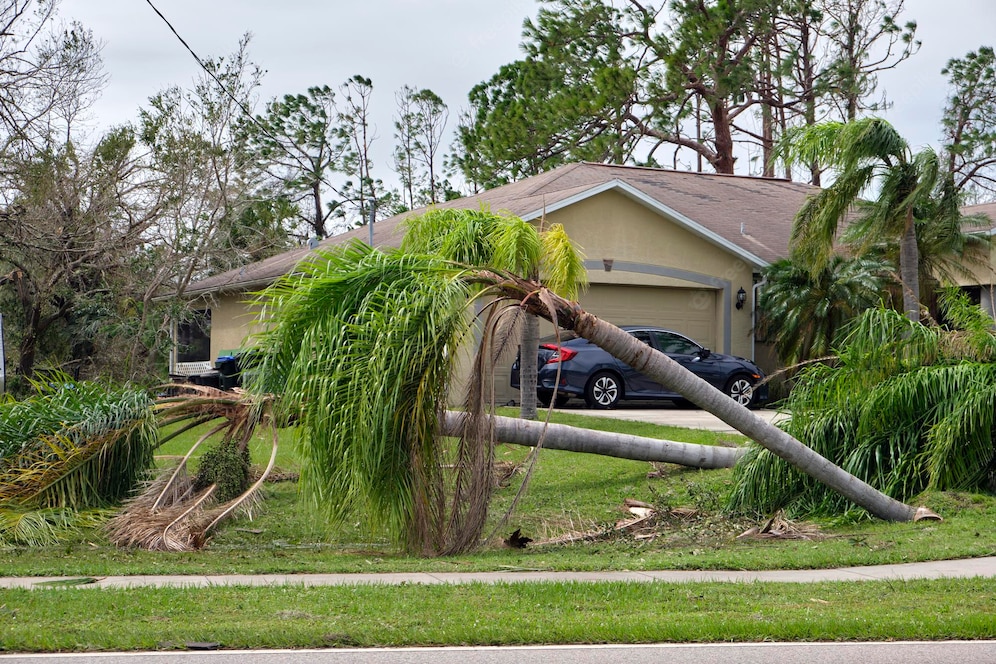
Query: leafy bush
point(70, 447)
point(906, 407)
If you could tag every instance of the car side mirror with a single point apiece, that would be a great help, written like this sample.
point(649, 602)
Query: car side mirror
point(704, 353)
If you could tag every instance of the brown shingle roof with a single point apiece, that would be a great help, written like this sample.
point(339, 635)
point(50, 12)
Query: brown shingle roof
point(749, 216)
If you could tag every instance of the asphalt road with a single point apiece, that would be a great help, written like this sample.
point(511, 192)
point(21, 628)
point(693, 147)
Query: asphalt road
point(950, 652)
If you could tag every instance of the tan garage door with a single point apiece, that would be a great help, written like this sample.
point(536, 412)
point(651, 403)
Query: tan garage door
point(690, 311)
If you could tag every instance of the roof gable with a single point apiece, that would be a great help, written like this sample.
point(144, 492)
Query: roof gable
point(750, 217)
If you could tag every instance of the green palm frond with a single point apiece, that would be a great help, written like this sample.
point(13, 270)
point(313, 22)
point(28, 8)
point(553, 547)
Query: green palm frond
point(462, 236)
point(75, 444)
point(801, 312)
point(960, 452)
point(809, 144)
point(20, 526)
point(361, 344)
point(843, 146)
point(905, 407)
point(562, 266)
point(866, 140)
point(816, 226)
point(517, 247)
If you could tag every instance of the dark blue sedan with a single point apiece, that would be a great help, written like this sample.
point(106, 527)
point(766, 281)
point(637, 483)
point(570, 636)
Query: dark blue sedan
point(590, 373)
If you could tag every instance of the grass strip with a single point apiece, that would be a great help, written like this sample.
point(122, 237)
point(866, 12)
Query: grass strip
point(77, 619)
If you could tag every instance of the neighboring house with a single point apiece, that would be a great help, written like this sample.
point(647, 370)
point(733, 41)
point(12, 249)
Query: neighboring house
point(980, 284)
point(667, 248)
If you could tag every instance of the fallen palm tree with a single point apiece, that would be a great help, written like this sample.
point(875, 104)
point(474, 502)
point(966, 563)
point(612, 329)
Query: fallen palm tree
point(68, 452)
point(177, 510)
point(360, 344)
point(573, 439)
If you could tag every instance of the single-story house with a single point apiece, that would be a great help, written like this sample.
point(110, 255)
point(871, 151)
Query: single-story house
point(678, 249)
point(980, 282)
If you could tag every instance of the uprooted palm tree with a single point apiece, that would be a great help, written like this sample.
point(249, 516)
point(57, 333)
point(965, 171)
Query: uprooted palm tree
point(67, 453)
point(504, 242)
point(360, 344)
point(906, 407)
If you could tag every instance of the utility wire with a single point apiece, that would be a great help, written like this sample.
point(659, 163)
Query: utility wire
point(245, 109)
point(241, 105)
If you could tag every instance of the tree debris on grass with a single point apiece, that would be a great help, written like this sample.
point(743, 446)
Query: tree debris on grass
point(778, 527)
point(176, 511)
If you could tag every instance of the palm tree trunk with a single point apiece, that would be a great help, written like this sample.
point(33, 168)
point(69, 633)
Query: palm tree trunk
point(673, 376)
point(529, 341)
point(909, 269)
point(621, 446)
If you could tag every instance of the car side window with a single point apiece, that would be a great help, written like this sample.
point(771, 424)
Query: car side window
point(675, 344)
point(642, 335)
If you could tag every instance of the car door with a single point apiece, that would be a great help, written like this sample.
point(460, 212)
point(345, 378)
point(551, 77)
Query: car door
point(637, 384)
point(690, 355)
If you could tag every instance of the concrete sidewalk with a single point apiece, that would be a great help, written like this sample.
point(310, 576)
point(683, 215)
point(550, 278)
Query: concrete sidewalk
point(689, 418)
point(968, 568)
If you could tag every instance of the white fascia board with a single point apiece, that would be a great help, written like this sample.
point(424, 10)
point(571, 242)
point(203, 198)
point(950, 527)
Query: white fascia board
point(654, 204)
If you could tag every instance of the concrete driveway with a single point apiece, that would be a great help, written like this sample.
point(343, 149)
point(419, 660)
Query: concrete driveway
point(665, 413)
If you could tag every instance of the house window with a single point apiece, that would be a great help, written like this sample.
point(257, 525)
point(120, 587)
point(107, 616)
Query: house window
point(193, 337)
point(974, 294)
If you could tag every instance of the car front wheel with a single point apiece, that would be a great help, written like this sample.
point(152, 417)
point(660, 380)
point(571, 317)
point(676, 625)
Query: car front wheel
point(740, 390)
point(603, 390)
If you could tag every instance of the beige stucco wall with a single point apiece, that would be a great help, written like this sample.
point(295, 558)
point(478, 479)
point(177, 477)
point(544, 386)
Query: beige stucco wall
point(979, 275)
point(613, 226)
point(638, 241)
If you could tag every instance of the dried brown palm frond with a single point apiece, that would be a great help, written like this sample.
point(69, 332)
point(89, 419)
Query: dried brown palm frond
point(502, 327)
point(780, 527)
point(176, 512)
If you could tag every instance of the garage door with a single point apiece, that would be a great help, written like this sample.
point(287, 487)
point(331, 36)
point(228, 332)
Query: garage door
point(690, 311)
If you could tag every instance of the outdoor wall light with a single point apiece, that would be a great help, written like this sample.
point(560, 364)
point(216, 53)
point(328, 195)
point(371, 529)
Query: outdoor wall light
point(741, 298)
point(607, 264)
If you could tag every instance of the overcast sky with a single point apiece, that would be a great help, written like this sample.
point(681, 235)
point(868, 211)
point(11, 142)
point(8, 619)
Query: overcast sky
point(444, 45)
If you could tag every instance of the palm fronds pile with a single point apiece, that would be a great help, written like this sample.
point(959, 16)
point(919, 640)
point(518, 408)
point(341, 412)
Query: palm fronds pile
point(906, 408)
point(177, 511)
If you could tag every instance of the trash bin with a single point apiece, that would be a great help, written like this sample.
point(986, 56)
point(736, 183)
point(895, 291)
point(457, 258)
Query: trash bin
point(227, 367)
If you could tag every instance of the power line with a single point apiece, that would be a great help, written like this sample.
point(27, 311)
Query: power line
point(200, 63)
point(245, 109)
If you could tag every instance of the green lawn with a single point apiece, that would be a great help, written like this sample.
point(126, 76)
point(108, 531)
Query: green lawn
point(508, 614)
point(568, 493)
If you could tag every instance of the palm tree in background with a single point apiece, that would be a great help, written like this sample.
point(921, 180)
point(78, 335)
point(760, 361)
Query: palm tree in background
point(869, 157)
point(801, 312)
